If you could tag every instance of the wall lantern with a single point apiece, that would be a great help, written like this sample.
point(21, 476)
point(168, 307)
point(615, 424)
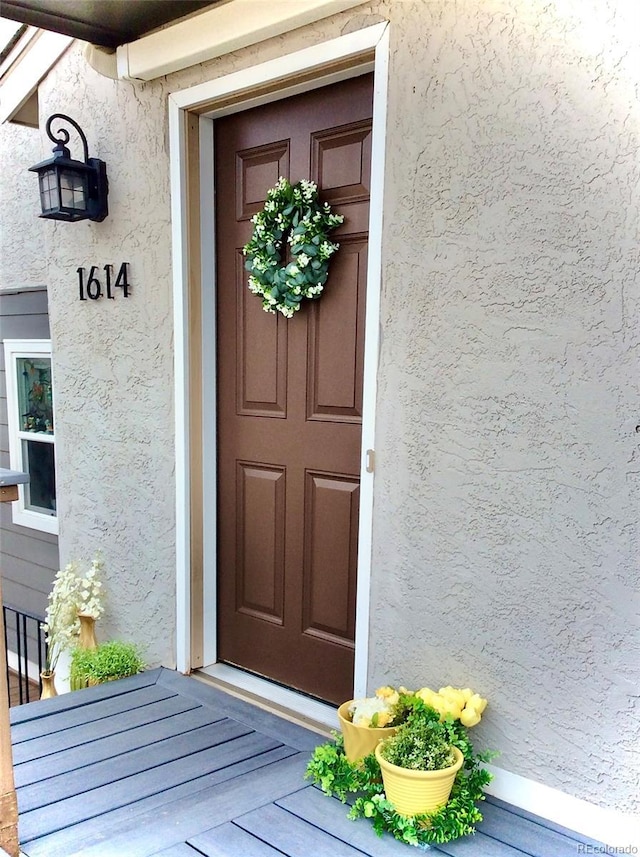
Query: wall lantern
point(71, 190)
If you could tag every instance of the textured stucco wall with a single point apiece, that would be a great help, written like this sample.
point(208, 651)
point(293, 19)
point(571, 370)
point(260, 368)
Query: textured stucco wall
point(21, 233)
point(506, 454)
point(113, 359)
point(506, 516)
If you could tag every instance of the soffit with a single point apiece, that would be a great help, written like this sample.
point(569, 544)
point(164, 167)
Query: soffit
point(108, 24)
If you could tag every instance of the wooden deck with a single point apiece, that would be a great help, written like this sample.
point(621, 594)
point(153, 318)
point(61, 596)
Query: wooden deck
point(29, 689)
point(165, 765)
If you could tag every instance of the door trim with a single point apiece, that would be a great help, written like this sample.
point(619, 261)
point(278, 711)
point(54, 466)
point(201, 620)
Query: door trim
point(193, 216)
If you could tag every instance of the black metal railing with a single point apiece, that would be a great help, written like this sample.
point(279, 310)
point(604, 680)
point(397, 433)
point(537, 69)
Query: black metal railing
point(25, 640)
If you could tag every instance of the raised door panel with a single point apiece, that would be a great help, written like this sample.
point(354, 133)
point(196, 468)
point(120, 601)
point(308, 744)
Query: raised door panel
point(331, 543)
point(341, 162)
point(260, 521)
point(261, 373)
point(336, 323)
point(258, 169)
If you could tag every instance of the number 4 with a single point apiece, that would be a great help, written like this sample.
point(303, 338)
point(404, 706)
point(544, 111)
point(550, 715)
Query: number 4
point(122, 280)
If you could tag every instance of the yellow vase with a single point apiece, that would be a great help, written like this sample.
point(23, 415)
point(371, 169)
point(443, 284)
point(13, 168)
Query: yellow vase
point(359, 741)
point(48, 685)
point(418, 792)
point(87, 638)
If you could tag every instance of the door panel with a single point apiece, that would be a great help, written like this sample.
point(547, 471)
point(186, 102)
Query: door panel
point(261, 390)
point(334, 384)
point(331, 505)
point(260, 493)
point(290, 400)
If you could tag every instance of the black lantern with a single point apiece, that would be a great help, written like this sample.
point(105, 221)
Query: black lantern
point(71, 190)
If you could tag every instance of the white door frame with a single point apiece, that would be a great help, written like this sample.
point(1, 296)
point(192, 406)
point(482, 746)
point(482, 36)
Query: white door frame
point(339, 59)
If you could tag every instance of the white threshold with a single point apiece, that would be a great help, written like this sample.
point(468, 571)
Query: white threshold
point(298, 707)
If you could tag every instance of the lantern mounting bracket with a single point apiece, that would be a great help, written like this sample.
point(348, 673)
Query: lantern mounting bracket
point(63, 134)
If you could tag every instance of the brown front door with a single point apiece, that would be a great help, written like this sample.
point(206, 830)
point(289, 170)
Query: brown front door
point(290, 400)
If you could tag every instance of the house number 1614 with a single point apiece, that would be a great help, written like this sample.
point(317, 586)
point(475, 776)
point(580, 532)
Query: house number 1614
point(91, 286)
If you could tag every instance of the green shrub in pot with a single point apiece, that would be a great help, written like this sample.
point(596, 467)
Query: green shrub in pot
point(107, 662)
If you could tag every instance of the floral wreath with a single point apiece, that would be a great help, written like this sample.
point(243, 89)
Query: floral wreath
point(295, 212)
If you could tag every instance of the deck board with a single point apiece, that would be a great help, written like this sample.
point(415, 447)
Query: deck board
point(70, 701)
point(258, 718)
point(62, 813)
point(162, 765)
point(133, 730)
point(550, 825)
point(471, 846)
point(186, 810)
point(124, 766)
point(60, 723)
point(181, 850)
point(185, 818)
point(230, 839)
point(292, 835)
point(330, 814)
point(530, 836)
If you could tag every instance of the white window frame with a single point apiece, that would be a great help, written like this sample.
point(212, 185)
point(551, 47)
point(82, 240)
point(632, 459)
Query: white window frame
point(14, 349)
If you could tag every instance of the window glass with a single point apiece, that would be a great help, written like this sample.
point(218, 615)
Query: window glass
point(30, 419)
point(35, 394)
point(39, 462)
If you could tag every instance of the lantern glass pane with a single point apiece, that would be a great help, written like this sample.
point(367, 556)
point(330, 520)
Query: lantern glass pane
point(73, 190)
point(49, 198)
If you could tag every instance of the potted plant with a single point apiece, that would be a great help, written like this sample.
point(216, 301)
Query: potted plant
point(72, 595)
point(107, 662)
point(365, 722)
point(432, 734)
point(419, 764)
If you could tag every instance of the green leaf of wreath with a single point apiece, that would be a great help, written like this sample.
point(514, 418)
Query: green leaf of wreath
point(293, 211)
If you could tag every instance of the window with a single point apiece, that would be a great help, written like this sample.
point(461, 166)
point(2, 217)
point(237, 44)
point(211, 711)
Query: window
point(31, 431)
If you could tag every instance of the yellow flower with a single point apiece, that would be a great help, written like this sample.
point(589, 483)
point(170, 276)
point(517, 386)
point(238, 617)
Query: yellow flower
point(478, 703)
point(383, 718)
point(389, 695)
point(449, 706)
point(470, 716)
point(454, 695)
point(427, 695)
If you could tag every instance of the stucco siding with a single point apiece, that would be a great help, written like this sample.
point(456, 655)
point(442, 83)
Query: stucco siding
point(506, 504)
point(505, 546)
point(22, 262)
point(114, 360)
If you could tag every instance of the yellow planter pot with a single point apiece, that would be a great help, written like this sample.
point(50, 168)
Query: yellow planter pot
point(359, 741)
point(417, 792)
